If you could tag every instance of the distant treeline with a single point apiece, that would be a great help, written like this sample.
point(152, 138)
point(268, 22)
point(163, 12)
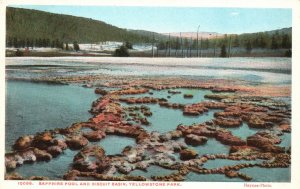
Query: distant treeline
point(21, 43)
point(248, 41)
point(262, 40)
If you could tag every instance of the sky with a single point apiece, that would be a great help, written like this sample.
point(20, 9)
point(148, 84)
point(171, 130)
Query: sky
point(180, 19)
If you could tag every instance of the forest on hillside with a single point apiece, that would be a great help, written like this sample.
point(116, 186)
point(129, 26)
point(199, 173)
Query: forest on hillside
point(31, 28)
point(40, 28)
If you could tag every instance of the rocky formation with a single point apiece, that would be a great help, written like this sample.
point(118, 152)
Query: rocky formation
point(91, 159)
point(174, 92)
point(257, 122)
point(285, 127)
point(229, 139)
point(217, 96)
point(12, 160)
point(101, 91)
point(222, 135)
point(188, 96)
point(265, 141)
point(195, 139)
point(142, 100)
point(171, 105)
point(23, 142)
point(172, 135)
point(138, 114)
point(146, 111)
point(14, 176)
point(188, 154)
point(42, 155)
point(228, 122)
point(130, 91)
point(194, 109)
point(94, 136)
point(76, 142)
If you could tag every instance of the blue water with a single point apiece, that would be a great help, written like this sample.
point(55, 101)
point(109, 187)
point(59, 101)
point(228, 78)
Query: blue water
point(34, 107)
point(285, 140)
point(268, 175)
point(166, 119)
point(243, 131)
point(115, 144)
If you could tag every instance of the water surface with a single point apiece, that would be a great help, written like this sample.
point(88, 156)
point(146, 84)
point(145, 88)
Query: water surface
point(35, 107)
point(113, 144)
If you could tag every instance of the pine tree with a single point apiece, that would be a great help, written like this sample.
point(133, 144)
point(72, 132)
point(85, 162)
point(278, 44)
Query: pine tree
point(121, 52)
point(274, 44)
point(161, 45)
point(57, 44)
point(262, 42)
point(286, 42)
point(249, 47)
point(236, 42)
point(27, 43)
point(206, 44)
point(76, 46)
point(9, 42)
point(31, 43)
point(53, 44)
point(47, 42)
point(44, 43)
point(128, 45)
point(22, 43)
point(15, 42)
point(223, 51)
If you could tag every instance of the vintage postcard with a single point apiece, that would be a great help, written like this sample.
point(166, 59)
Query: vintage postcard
point(141, 95)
